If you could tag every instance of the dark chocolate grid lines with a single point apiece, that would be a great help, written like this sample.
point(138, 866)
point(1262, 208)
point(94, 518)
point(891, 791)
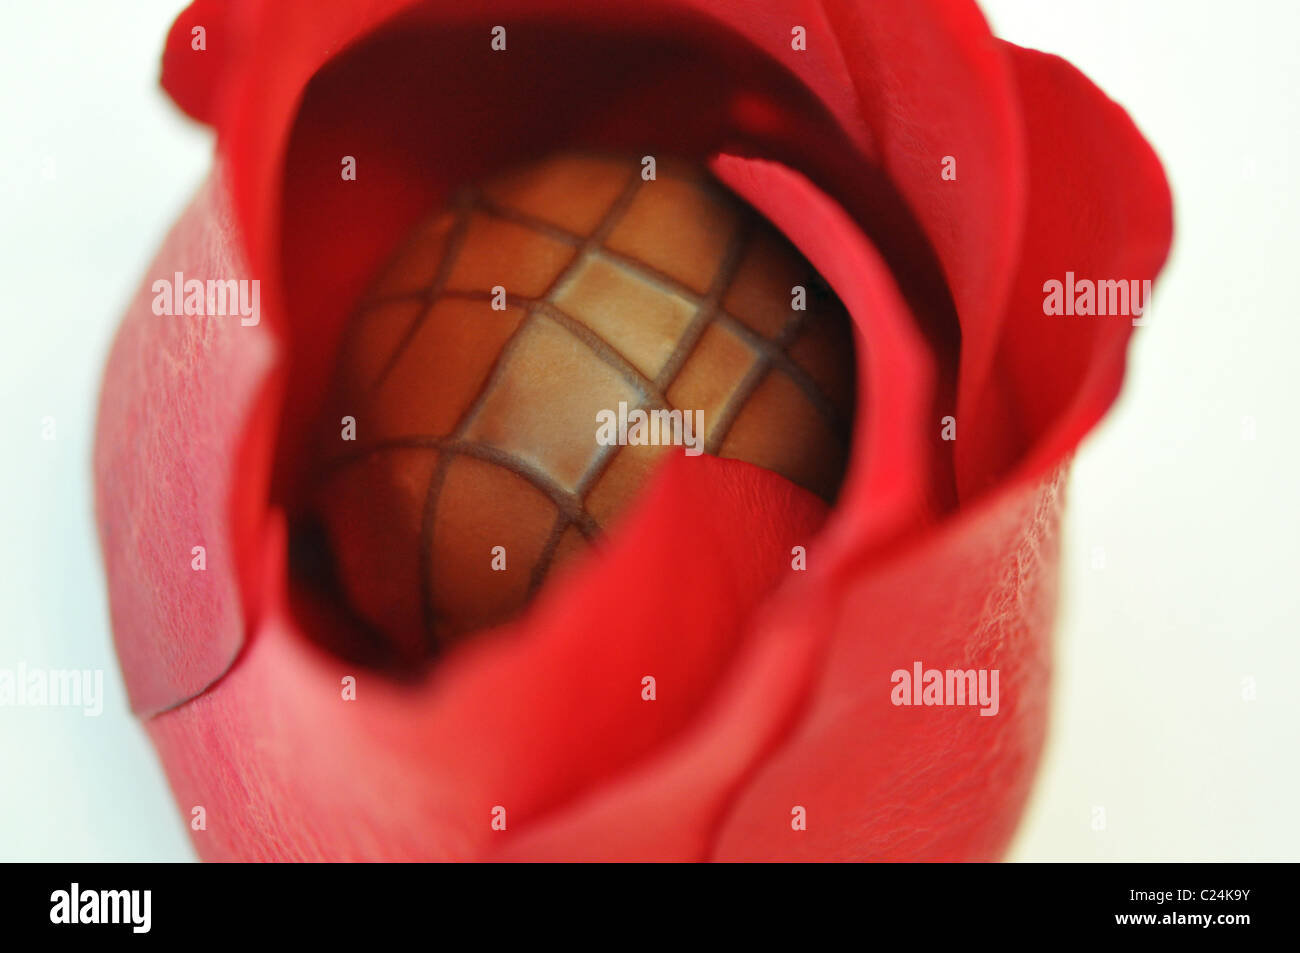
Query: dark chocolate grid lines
point(560, 316)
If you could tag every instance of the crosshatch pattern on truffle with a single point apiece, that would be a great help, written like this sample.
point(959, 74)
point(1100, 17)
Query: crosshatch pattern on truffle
point(476, 426)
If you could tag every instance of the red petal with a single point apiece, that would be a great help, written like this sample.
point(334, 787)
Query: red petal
point(888, 489)
point(181, 457)
point(192, 77)
point(880, 782)
point(933, 83)
point(1100, 207)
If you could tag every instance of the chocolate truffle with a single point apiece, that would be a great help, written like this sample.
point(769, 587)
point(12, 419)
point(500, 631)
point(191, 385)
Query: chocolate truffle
point(497, 365)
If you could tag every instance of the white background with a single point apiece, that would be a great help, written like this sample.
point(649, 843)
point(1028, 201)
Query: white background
point(1199, 527)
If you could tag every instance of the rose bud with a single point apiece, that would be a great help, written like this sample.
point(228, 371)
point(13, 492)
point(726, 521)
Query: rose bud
point(707, 665)
point(524, 362)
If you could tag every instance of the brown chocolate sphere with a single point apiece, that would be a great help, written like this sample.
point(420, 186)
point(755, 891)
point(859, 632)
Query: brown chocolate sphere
point(510, 327)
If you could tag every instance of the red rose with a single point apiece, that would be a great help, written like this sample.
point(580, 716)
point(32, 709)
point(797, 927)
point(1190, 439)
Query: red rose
point(773, 734)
